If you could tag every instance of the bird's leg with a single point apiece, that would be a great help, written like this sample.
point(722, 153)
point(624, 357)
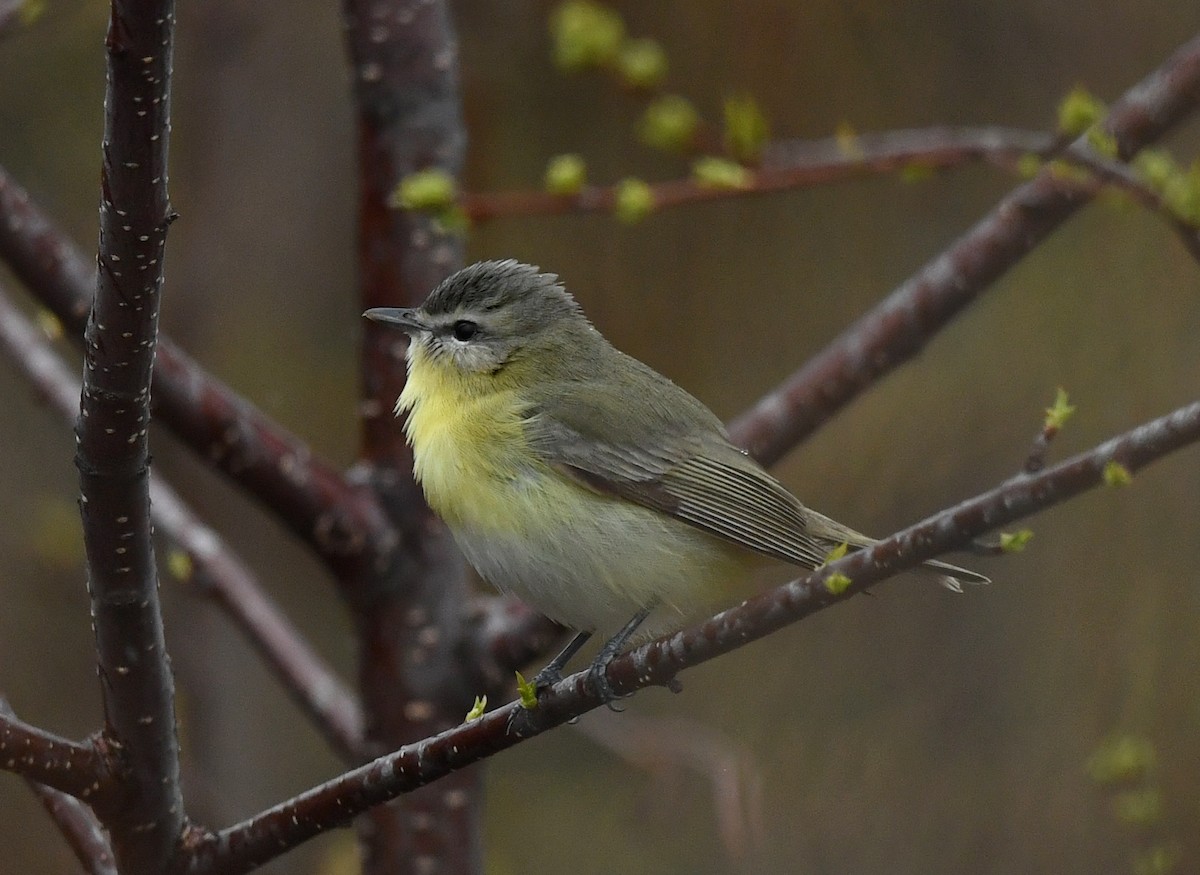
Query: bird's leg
point(552, 673)
point(598, 672)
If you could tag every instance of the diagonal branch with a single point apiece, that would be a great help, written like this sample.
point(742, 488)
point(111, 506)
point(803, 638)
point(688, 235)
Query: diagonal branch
point(146, 817)
point(343, 522)
point(244, 846)
point(217, 571)
point(80, 828)
point(900, 326)
point(221, 575)
point(904, 322)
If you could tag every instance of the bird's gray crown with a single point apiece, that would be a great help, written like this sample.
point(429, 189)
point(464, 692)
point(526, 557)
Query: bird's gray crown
point(488, 286)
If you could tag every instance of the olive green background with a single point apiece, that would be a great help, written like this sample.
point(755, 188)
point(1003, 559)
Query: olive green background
point(914, 731)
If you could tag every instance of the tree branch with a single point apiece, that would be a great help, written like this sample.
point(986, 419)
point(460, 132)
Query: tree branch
point(265, 836)
point(80, 828)
point(788, 165)
point(146, 818)
point(342, 522)
point(78, 769)
point(218, 572)
point(413, 635)
point(221, 575)
point(900, 326)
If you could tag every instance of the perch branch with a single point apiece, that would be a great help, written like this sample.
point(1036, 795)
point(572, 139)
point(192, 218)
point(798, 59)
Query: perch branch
point(265, 836)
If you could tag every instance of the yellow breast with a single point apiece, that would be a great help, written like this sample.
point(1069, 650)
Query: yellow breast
point(467, 438)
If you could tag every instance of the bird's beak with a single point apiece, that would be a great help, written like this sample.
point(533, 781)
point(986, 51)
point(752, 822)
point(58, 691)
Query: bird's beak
point(406, 318)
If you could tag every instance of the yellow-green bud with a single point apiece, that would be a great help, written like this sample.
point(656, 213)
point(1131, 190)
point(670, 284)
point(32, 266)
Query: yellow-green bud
point(1060, 411)
point(1015, 542)
point(746, 128)
point(634, 200)
point(1079, 110)
point(431, 190)
point(837, 583)
point(1116, 474)
point(565, 174)
point(642, 63)
point(585, 34)
point(1122, 759)
point(716, 172)
point(669, 123)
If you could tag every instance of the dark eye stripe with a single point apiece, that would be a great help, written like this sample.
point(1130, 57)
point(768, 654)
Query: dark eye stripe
point(463, 330)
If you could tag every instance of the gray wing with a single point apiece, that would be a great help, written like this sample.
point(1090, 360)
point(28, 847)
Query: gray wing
point(673, 458)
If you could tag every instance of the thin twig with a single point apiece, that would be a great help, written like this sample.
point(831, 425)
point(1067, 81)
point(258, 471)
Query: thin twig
point(343, 522)
point(265, 836)
point(790, 165)
point(218, 572)
point(904, 322)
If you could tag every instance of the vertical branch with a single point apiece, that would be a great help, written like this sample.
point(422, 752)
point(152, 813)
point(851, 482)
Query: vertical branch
point(145, 818)
point(411, 620)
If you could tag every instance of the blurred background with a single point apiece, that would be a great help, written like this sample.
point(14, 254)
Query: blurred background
point(913, 731)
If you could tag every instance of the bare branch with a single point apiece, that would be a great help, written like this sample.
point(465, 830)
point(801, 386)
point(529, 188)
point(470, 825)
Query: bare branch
point(267, 835)
point(80, 828)
point(217, 571)
point(112, 450)
point(77, 769)
point(342, 522)
point(900, 326)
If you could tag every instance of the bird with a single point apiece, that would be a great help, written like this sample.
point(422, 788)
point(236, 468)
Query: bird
point(581, 480)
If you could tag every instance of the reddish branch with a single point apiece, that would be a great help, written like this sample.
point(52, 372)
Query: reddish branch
point(145, 815)
point(788, 165)
point(343, 523)
point(413, 633)
point(68, 766)
point(80, 828)
point(267, 835)
point(78, 769)
point(900, 326)
point(216, 569)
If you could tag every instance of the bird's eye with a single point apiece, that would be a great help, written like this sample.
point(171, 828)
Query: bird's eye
point(463, 330)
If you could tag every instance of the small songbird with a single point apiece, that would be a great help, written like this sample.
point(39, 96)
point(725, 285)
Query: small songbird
point(578, 478)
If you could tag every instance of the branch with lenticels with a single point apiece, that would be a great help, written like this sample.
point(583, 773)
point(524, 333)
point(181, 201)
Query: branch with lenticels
point(242, 847)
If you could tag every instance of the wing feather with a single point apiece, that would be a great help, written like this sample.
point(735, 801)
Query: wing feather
point(684, 467)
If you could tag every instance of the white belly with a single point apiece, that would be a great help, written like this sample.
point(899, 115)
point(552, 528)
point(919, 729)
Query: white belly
point(596, 562)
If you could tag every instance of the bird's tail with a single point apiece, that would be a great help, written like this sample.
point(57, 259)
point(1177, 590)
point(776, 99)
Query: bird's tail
point(834, 533)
